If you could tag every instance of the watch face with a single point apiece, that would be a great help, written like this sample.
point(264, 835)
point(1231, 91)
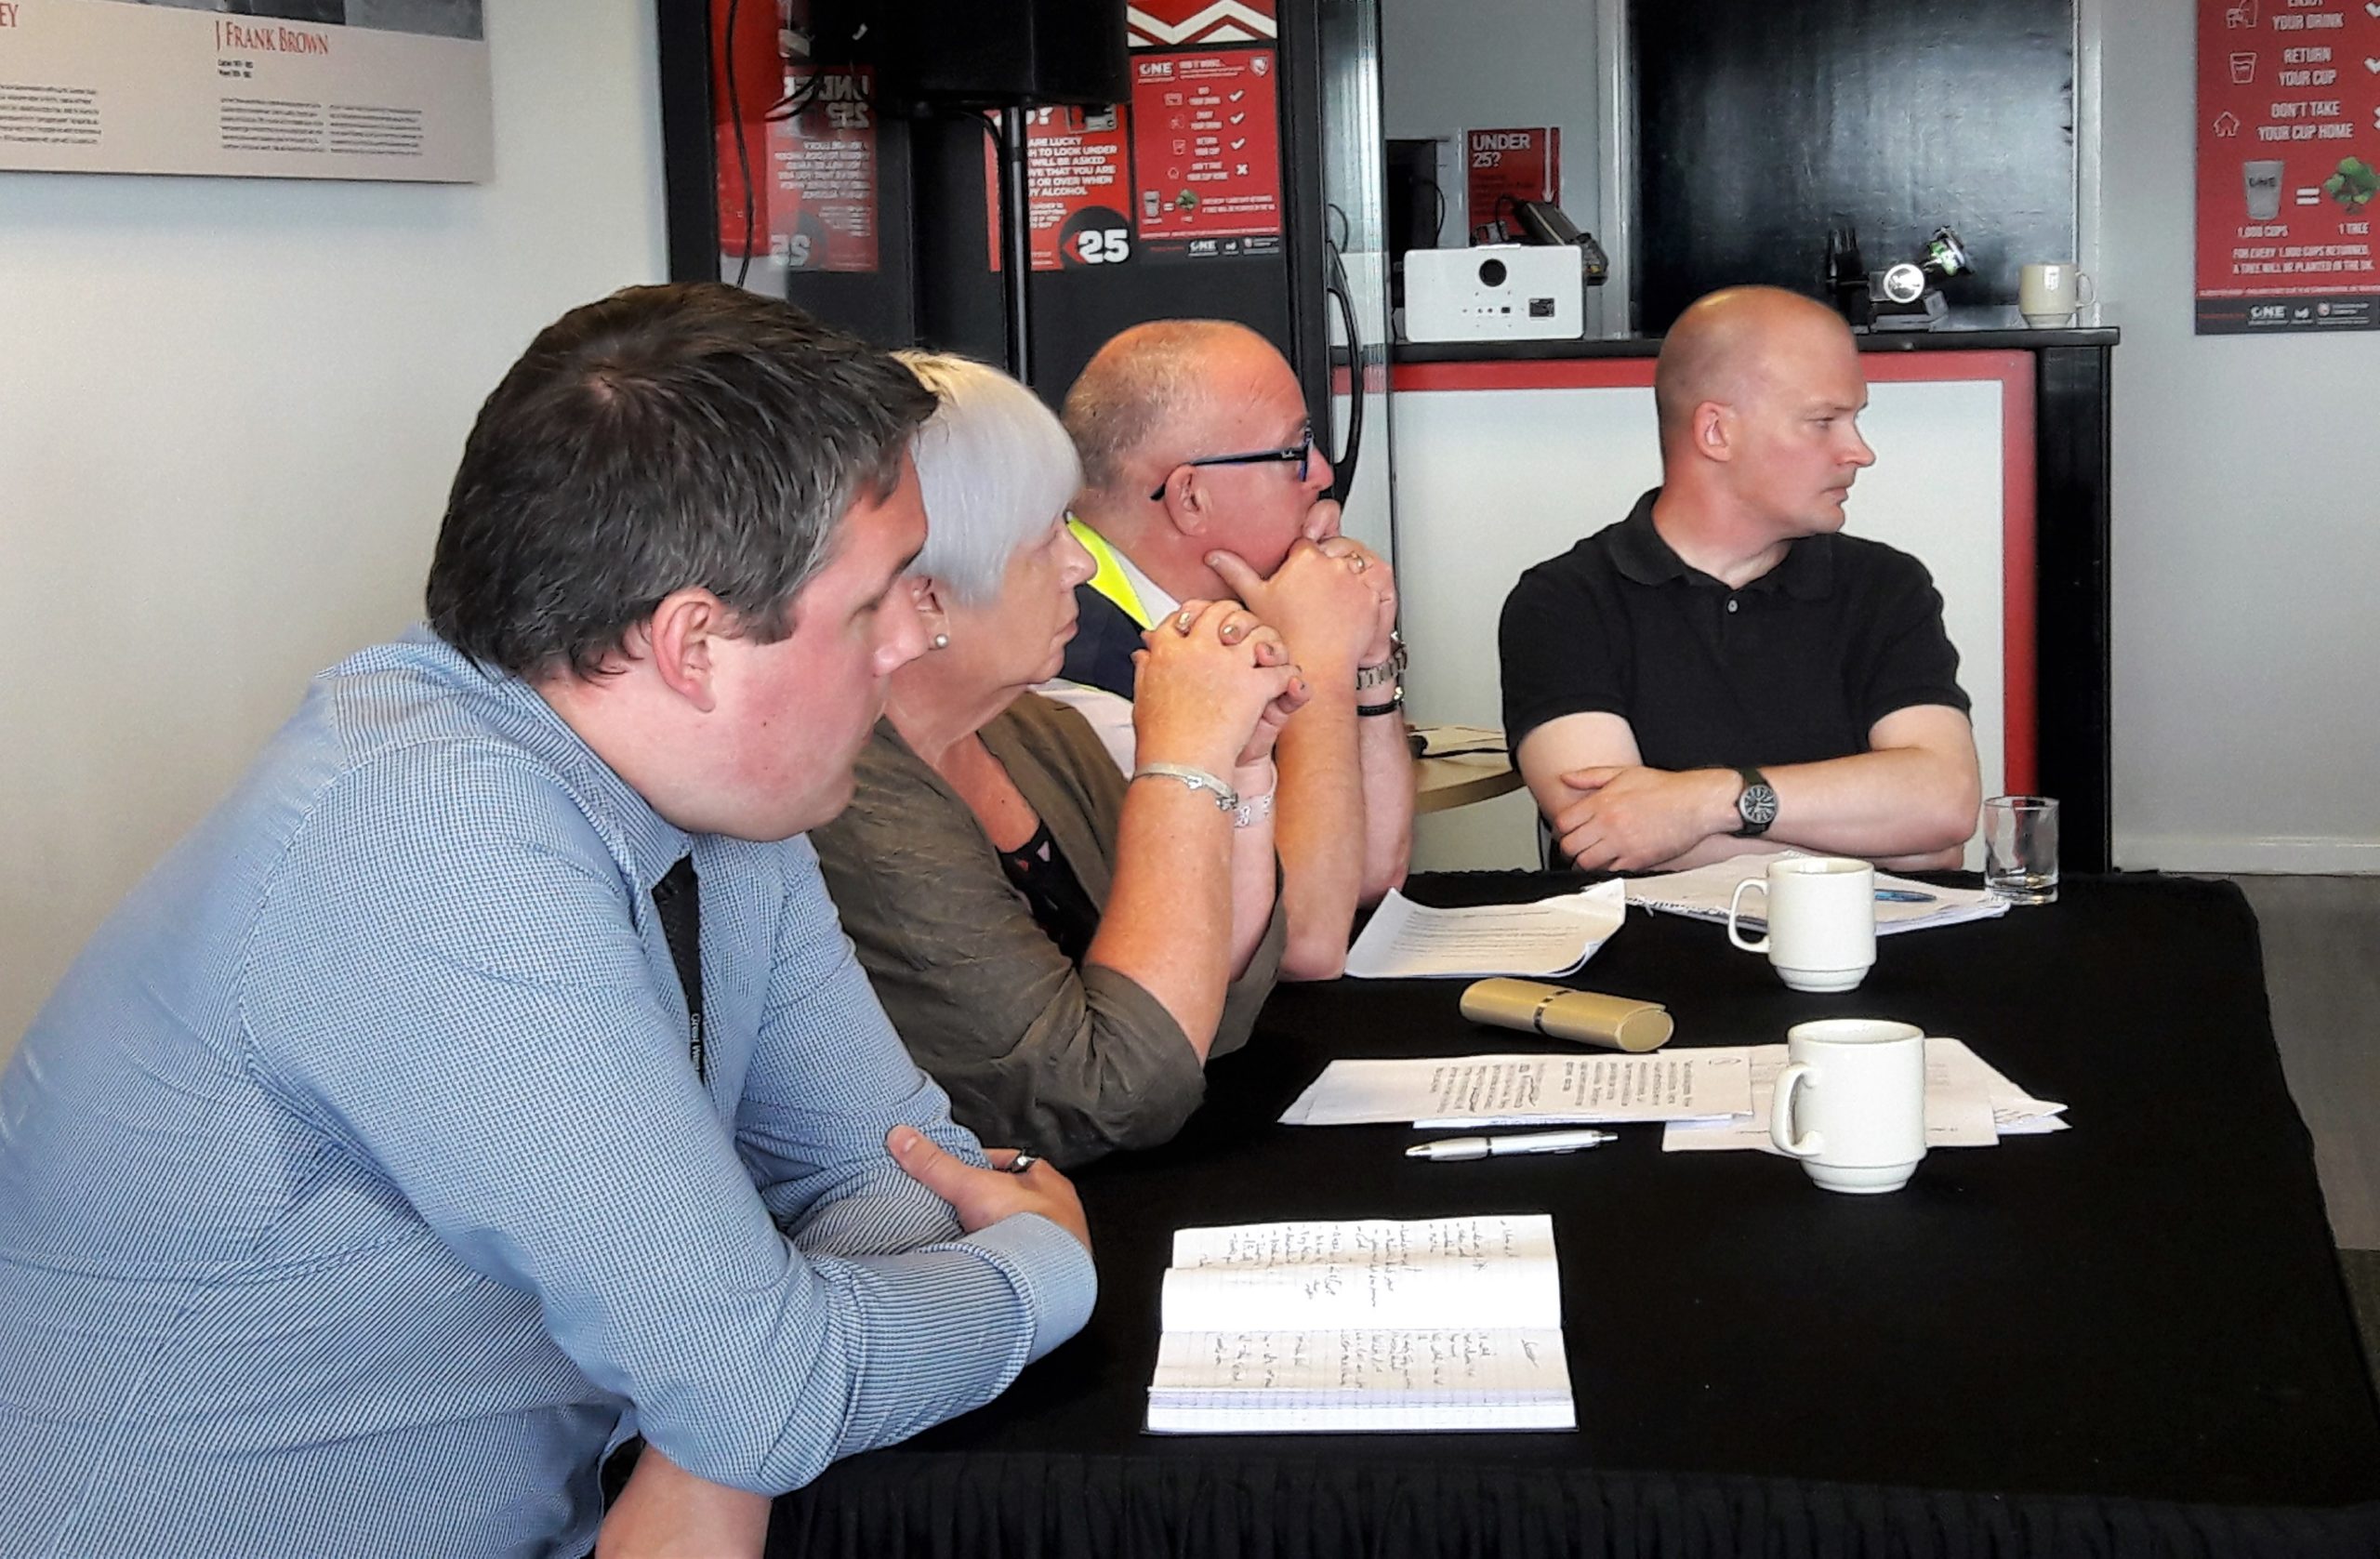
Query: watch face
point(1757, 805)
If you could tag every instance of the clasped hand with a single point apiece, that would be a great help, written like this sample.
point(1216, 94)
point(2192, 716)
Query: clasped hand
point(1213, 687)
point(1332, 597)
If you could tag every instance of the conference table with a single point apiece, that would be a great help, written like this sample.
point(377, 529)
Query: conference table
point(2131, 1338)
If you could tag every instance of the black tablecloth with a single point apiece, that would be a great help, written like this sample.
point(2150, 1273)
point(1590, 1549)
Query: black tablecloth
point(2131, 1338)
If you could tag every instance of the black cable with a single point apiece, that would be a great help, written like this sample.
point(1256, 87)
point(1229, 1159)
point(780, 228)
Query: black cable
point(1337, 288)
point(794, 102)
point(743, 153)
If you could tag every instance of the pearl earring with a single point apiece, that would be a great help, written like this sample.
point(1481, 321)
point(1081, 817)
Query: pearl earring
point(941, 641)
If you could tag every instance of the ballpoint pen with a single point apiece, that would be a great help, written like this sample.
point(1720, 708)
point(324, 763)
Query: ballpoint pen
point(1498, 1147)
point(1903, 896)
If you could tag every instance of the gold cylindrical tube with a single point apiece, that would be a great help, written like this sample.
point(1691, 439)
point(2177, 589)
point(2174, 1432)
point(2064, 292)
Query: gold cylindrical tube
point(1614, 1023)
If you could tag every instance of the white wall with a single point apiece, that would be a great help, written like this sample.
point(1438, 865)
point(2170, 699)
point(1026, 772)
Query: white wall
point(2247, 524)
point(229, 411)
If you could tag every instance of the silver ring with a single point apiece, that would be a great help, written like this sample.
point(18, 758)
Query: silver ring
point(1023, 1162)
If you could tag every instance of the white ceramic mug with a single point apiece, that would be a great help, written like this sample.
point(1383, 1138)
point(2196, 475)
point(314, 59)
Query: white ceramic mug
point(1850, 1103)
point(1821, 920)
point(2048, 294)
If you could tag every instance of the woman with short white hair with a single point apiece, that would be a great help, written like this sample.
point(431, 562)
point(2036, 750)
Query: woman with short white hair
point(1061, 948)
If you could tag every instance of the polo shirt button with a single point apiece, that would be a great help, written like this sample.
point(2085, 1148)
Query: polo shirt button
point(1731, 604)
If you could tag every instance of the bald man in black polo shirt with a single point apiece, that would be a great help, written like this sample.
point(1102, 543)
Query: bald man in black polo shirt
point(1722, 670)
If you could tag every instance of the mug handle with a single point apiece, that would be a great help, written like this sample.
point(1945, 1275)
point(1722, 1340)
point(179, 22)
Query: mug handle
point(1735, 909)
point(2086, 291)
point(1781, 1115)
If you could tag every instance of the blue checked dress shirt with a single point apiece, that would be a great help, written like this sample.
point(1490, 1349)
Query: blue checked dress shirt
point(356, 1181)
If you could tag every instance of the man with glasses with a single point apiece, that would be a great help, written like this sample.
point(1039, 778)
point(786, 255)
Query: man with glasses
point(1202, 482)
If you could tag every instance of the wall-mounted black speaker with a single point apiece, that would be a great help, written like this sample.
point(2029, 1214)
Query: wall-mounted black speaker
point(979, 53)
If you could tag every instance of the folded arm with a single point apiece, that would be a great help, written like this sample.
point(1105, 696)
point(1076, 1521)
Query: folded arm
point(1910, 801)
point(484, 1021)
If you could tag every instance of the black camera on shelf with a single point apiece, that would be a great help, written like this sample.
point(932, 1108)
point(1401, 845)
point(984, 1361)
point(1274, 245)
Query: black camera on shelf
point(1909, 296)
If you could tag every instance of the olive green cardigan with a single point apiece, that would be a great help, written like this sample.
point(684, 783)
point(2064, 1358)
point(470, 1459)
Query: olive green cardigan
point(1036, 1053)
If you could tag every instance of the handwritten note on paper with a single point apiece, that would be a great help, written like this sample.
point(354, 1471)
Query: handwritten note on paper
point(1276, 1382)
point(1490, 1271)
point(1679, 1083)
point(1450, 1323)
point(1406, 940)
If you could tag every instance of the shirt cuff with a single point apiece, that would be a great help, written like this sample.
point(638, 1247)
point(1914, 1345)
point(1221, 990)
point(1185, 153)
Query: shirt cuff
point(1050, 1268)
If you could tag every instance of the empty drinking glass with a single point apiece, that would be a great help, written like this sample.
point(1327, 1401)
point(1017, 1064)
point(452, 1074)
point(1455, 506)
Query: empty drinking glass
point(2021, 849)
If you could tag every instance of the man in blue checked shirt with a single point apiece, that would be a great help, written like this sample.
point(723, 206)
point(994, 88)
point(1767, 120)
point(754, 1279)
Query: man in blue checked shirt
point(375, 1166)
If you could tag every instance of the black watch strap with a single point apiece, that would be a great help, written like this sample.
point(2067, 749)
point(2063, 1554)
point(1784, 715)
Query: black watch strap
point(1755, 804)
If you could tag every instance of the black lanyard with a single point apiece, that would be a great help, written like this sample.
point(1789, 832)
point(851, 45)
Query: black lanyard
point(677, 898)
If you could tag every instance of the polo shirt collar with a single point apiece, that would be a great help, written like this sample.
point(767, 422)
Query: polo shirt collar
point(1638, 551)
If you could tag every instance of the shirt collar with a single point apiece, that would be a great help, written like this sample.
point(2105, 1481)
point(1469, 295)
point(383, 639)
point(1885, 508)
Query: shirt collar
point(1154, 600)
point(645, 842)
point(1638, 551)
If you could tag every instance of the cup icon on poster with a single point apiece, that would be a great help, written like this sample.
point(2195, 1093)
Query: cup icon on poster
point(2048, 292)
point(2261, 178)
point(2243, 69)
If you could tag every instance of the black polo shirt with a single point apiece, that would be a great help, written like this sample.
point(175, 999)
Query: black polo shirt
point(1795, 667)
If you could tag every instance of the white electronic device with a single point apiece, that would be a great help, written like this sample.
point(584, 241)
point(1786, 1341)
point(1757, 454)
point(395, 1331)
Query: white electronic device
point(1501, 292)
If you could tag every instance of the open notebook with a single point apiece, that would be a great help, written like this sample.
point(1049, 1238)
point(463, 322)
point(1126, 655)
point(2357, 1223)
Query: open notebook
point(1446, 1323)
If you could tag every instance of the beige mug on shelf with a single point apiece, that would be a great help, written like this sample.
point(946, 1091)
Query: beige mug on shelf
point(1850, 1103)
point(2048, 293)
point(1821, 914)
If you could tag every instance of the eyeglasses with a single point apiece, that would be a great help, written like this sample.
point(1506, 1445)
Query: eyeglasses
point(1301, 452)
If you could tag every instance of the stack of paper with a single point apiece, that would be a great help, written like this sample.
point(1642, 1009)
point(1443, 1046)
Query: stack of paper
point(1968, 1104)
point(1454, 741)
point(1702, 893)
point(1473, 1090)
point(1552, 936)
point(1450, 1323)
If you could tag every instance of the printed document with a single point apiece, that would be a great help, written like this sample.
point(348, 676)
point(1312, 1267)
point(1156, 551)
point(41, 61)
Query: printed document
point(1453, 1091)
point(1702, 894)
point(1552, 936)
point(1449, 1323)
point(1968, 1104)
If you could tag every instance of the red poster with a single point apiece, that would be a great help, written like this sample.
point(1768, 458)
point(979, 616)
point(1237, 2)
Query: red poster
point(1079, 188)
point(1506, 165)
point(2288, 166)
point(822, 212)
point(1206, 153)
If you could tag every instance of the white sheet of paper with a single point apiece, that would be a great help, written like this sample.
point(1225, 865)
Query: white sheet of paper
point(1964, 1099)
point(1406, 940)
point(1494, 1272)
point(1702, 894)
point(1361, 1325)
point(1278, 1381)
point(1670, 1084)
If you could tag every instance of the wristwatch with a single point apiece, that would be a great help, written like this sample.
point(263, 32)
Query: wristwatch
point(1388, 672)
point(1755, 804)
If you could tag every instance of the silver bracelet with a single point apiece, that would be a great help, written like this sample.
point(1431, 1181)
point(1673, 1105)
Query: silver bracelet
point(1226, 799)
